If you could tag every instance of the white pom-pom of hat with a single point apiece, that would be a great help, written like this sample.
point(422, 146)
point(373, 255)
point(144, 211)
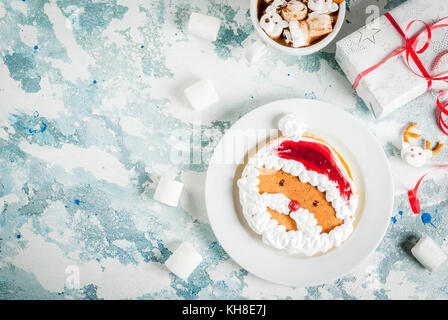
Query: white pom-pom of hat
point(291, 127)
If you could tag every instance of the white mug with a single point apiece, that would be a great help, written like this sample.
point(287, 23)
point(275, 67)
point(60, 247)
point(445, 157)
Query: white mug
point(257, 48)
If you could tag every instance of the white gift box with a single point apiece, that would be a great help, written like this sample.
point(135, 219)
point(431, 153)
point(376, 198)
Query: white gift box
point(393, 84)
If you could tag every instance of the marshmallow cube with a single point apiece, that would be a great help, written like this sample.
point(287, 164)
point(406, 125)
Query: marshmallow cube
point(168, 191)
point(255, 52)
point(183, 261)
point(428, 253)
point(201, 95)
point(204, 26)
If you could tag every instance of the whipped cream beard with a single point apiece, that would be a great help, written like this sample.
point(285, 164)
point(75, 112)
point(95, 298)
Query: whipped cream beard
point(297, 23)
point(296, 225)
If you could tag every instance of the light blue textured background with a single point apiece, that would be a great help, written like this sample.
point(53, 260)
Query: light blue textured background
point(90, 93)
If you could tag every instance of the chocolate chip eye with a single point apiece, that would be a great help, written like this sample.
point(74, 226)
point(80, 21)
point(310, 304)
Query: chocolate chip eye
point(282, 183)
point(315, 203)
point(419, 153)
point(267, 20)
point(412, 149)
point(276, 22)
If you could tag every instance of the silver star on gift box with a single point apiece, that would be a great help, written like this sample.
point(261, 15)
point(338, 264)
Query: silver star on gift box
point(368, 34)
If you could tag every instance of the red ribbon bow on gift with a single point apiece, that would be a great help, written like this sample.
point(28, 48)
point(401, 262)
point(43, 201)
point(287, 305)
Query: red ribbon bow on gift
point(410, 48)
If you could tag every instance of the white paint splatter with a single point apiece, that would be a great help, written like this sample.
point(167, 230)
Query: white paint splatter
point(48, 100)
point(19, 6)
point(132, 126)
point(45, 260)
point(55, 218)
point(2, 11)
point(114, 280)
point(9, 198)
point(134, 19)
point(115, 101)
point(256, 288)
point(123, 244)
point(101, 164)
point(80, 60)
point(398, 287)
point(192, 199)
point(28, 35)
point(3, 134)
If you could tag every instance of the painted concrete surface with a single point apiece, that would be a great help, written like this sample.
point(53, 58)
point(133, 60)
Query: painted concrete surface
point(91, 113)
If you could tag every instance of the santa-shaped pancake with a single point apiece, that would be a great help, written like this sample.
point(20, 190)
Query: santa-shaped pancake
point(298, 192)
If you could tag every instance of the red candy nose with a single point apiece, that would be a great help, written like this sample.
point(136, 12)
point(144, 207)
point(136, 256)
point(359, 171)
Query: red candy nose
point(294, 205)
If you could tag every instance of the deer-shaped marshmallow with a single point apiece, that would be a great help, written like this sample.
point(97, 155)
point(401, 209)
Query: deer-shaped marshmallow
point(414, 155)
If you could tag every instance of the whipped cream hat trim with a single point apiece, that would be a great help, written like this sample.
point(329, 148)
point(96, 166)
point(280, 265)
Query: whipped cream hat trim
point(308, 239)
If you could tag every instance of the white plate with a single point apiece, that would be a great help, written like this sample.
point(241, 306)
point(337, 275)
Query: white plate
point(373, 180)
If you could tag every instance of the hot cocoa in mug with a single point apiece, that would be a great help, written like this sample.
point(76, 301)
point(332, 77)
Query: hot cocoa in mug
point(298, 23)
